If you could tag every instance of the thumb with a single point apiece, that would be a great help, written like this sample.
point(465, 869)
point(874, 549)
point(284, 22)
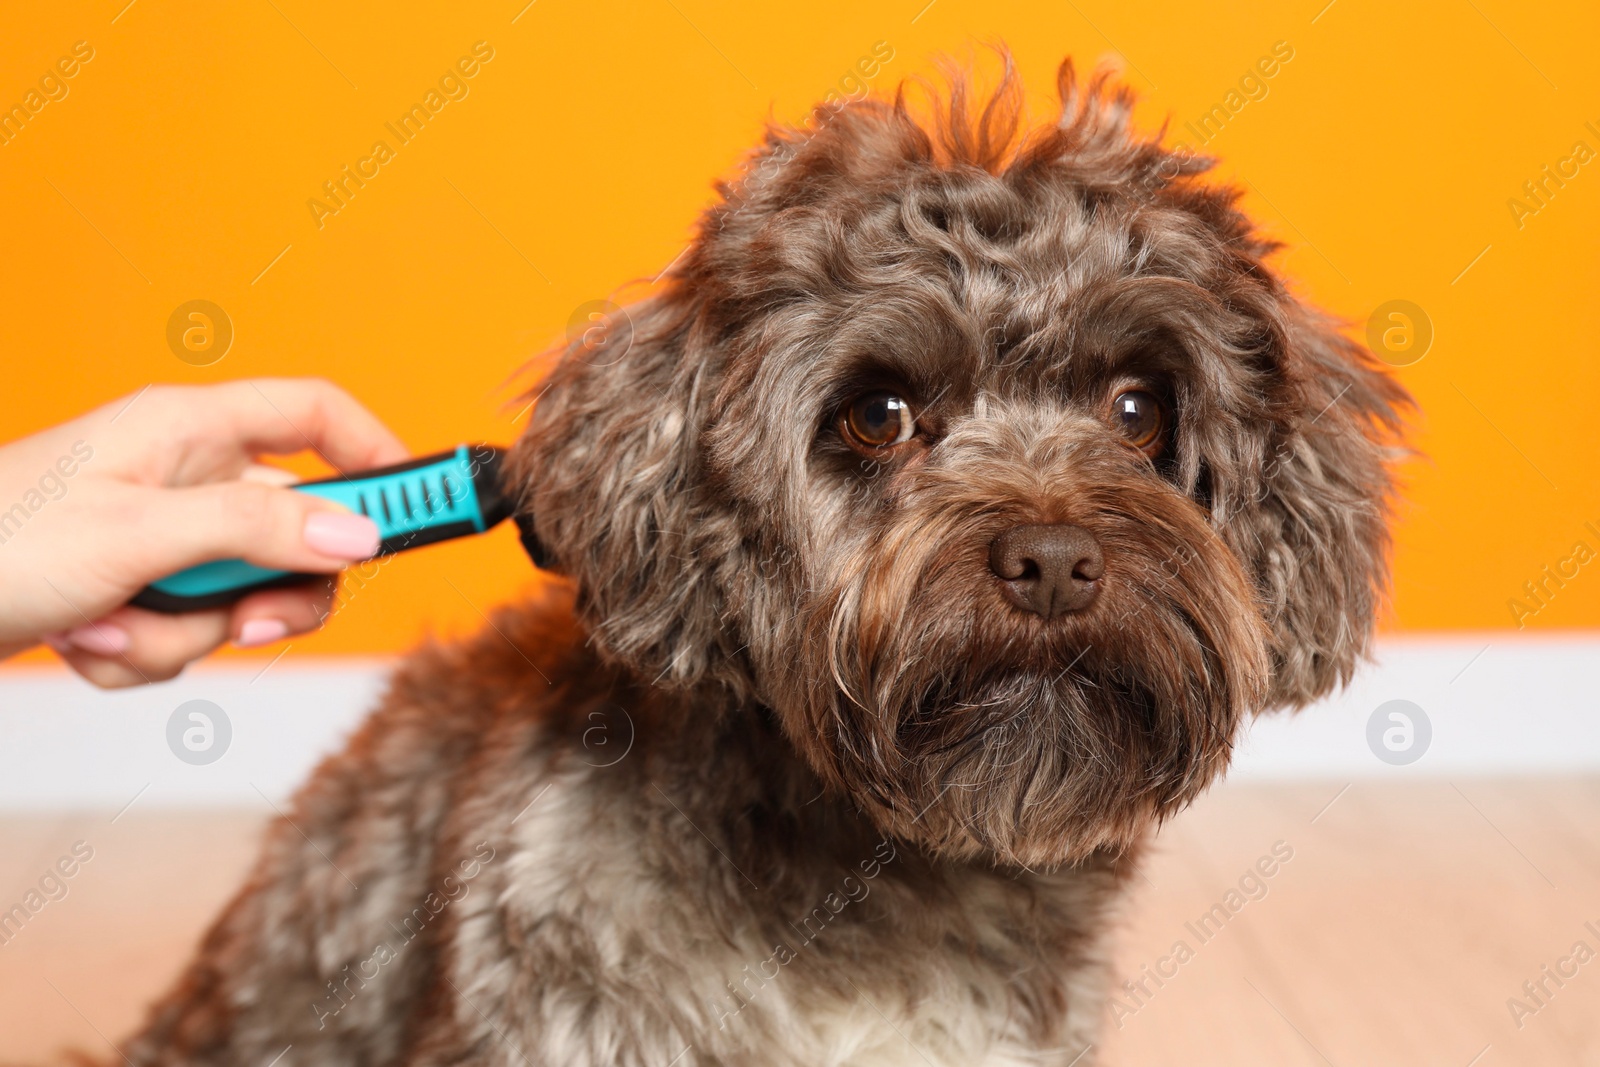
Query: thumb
point(261, 524)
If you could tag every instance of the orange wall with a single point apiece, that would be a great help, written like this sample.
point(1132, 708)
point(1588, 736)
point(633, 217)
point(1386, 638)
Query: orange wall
point(181, 161)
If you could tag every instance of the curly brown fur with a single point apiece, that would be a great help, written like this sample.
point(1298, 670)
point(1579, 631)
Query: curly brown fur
point(867, 811)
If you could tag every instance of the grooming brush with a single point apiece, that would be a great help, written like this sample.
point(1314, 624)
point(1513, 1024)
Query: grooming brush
point(420, 502)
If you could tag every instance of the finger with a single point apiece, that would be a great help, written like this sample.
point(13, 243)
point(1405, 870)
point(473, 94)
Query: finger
point(270, 527)
point(274, 614)
point(281, 416)
point(260, 472)
point(131, 646)
point(103, 672)
point(335, 423)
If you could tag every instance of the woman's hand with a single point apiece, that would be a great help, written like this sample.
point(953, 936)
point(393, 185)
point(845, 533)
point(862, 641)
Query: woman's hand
point(95, 509)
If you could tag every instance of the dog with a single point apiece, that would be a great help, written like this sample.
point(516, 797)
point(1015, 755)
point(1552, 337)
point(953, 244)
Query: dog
point(927, 537)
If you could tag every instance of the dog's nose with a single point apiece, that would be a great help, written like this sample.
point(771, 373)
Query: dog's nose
point(1048, 570)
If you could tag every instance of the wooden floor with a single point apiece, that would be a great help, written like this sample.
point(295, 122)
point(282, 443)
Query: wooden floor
point(1402, 922)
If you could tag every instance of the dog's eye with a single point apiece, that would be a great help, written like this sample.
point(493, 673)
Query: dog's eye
point(878, 420)
point(1141, 419)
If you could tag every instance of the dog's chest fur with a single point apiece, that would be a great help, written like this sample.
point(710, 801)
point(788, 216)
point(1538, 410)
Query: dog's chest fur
point(595, 877)
point(872, 957)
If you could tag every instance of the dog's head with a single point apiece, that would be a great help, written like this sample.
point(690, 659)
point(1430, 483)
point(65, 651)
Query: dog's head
point(1007, 474)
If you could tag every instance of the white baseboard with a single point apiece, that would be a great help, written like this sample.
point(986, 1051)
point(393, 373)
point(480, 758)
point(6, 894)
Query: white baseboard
point(64, 743)
point(1497, 704)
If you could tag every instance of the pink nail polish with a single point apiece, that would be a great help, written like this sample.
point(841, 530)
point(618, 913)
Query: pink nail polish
point(101, 638)
point(261, 632)
point(342, 536)
point(58, 642)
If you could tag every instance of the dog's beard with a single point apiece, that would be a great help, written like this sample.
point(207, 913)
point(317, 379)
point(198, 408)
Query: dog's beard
point(960, 722)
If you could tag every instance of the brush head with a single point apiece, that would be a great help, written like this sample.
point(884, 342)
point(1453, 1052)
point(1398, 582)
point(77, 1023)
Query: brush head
point(498, 501)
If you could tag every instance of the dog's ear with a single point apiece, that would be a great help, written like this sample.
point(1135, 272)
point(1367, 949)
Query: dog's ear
point(612, 470)
point(609, 474)
point(1317, 533)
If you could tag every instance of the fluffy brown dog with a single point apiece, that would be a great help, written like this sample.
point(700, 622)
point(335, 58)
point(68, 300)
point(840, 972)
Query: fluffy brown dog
point(951, 508)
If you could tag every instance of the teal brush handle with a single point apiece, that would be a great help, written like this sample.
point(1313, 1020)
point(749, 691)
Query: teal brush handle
point(435, 498)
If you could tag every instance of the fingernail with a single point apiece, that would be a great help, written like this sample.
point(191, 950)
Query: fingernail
point(58, 642)
point(261, 632)
point(341, 535)
point(101, 638)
